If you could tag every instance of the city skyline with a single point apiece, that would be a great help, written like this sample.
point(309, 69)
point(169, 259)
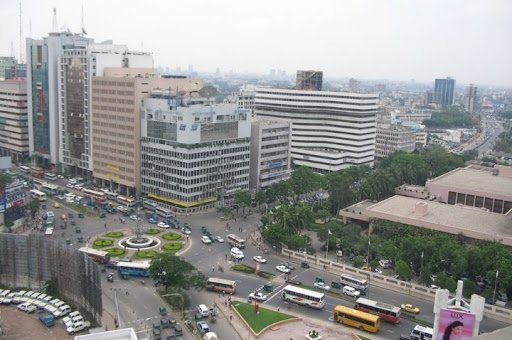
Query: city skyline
point(394, 40)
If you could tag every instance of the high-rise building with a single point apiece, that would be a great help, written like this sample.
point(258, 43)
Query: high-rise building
point(309, 80)
point(193, 156)
point(243, 98)
point(444, 91)
point(471, 98)
point(116, 105)
point(42, 88)
point(330, 130)
point(78, 66)
point(6, 63)
point(270, 152)
point(13, 119)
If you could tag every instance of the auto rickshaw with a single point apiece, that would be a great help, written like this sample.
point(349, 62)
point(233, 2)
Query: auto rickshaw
point(163, 310)
point(268, 287)
point(336, 284)
point(304, 265)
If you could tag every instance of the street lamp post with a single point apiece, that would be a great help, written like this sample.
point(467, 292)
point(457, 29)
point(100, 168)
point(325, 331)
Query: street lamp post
point(117, 320)
point(495, 285)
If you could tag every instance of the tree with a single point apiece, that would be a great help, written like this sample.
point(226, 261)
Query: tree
point(260, 198)
point(243, 199)
point(33, 208)
point(303, 180)
point(172, 270)
point(403, 270)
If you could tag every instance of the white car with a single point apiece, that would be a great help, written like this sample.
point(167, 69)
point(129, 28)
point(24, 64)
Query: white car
point(205, 239)
point(134, 217)
point(218, 239)
point(259, 259)
point(60, 176)
point(122, 208)
point(163, 225)
point(351, 291)
point(71, 186)
point(237, 253)
point(283, 269)
point(27, 307)
point(258, 296)
point(321, 285)
point(79, 187)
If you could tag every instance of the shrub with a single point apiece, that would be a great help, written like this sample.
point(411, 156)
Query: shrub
point(114, 234)
point(152, 231)
point(114, 252)
point(243, 268)
point(103, 242)
point(172, 246)
point(171, 236)
point(146, 254)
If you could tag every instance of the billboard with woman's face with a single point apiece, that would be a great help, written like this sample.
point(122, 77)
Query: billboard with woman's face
point(455, 325)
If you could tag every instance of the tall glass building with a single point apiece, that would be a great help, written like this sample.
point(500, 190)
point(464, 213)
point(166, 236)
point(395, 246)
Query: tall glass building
point(444, 91)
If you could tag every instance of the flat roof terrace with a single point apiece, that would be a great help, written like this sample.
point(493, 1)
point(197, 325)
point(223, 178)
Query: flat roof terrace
point(466, 179)
point(474, 223)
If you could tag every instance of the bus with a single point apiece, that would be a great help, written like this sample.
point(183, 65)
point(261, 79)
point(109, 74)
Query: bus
point(97, 195)
point(98, 256)
point(109, 194)
point(235, 241)
point(149, 204)
point(24, 168)
point(38, 183)
point(165, 213)
point(50, 189)
point(304, 297)
point(422, 333)
point(359, 284)
point(38, 195)
point(388, 313)
point(36, 171)
point(221, 285)
point(134, 268)
point(126, 201)
point(357, 319)
point(50, 176)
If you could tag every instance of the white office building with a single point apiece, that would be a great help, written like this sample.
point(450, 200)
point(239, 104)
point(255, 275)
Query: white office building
point(270, 152)
point(330, 130)
point(391, 138)
point(193, 157)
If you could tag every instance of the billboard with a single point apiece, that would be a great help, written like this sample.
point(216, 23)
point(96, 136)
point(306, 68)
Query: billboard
point(455, 325)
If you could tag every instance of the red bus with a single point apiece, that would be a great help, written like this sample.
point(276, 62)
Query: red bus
point(97, 195)
point(98, 256)
point(37, 172)
point(388, 313)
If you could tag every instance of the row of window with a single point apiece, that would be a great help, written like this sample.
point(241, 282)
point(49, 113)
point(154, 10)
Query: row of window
point(494, 205)
point(227, 151)
point(113, 158)
point(108, 174)
point(112, 83)
point(113, 92)
point(111, 117)
point(316, 94)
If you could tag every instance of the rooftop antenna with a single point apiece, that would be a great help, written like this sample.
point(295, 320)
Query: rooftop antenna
point(84, 32)
point(21, 37)
point(54, 22)
point(12, 49)
point(30, 28)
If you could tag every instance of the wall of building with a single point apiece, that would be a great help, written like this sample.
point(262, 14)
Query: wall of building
point(14, 139)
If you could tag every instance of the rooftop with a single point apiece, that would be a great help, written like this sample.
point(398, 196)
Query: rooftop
point(118, 334)
point(454, 219)
point(477, 180)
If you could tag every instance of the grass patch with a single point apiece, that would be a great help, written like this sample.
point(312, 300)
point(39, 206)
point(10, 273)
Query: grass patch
point(144, 254)
point(102, 242)
point(171, 237)
point(114, 252)
point(265, 318)
point(152, 231)
point(114, 234)
point(172, 246)
point(240, 267)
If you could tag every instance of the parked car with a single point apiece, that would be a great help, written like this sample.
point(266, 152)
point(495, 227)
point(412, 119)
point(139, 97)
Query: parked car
point(202, 326)
point(283, 269)
point(259, 259)
point(218, 239)
point(27, 307)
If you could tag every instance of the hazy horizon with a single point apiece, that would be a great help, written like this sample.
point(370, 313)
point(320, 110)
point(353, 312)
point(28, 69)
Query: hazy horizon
point(397, 40)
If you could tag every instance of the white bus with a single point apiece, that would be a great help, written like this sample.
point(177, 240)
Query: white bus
point(38, 195)
point(24, 168)
point(109, 194)
point(38, 183)
point(126, 201)
point(50, 189)
point(235, 241)
point(50, 176)
point(221, 285)
point(422, 333)
point(359, 284)
point(165, 213)
point(304, 297)
point(149, 204)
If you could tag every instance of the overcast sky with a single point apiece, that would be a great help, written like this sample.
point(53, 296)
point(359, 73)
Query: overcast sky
point(470, 40)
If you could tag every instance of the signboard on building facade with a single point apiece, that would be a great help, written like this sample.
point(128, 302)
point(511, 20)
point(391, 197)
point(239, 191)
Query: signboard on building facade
point(455, 325)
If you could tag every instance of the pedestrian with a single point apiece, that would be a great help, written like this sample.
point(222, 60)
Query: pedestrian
point(226, 256)
point(213, 268)
point(230, 317)
point(223, 293)
point(226, 303)
point(278, 309)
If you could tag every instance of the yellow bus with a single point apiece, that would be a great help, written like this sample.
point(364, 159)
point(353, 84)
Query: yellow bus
point(357, 319)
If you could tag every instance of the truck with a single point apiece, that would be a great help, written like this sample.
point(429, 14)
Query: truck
point(47, 319)
point(210, 336)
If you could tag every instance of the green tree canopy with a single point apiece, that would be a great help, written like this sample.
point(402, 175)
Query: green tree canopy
point(173, 271)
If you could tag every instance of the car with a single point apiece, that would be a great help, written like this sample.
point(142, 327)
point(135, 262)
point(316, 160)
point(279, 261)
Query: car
point(288, 265)
point(351, 291)
point(163, 225)
point(321, 285)
point(378, 271)
point(79, 187)
point(186, 231)
point(56, 205)
point(259, 259)
point(61, 197)
point(205, 239)
point(27, 307)
point(218, 239)
point(80, 239)
point(202, 326)
point(134, 217)
point(258, 296)
point(80, 215)
point(78, 230)
point(122, 208)
point(283, 269)
point(434, 287)
point(152, 220)
point(386, 264)
point(60, 176)
point(410, 308)
point(237, 253)
point(71, 186)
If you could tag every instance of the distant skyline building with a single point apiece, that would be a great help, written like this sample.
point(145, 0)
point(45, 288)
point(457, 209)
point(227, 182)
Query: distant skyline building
point(42, 93)
point(13, 120)
point(309, 80)
point(444, 92)
point(471, 97)
point(193, 156)
point(330, 130)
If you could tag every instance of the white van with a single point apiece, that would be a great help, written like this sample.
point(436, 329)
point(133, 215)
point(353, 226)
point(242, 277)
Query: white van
point(422, 333)
point(237, 253)
point(203, 310)
point(64, 310)
point(350, 291)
